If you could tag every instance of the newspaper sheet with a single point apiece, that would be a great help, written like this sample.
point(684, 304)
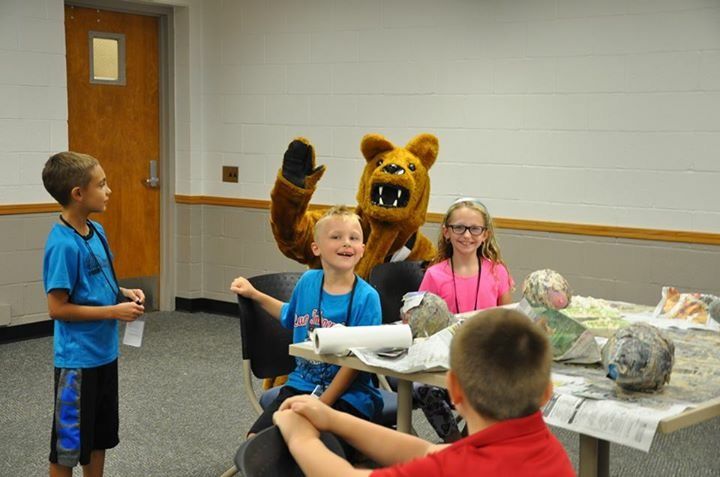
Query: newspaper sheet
point(571, 341)
point(432, 354)
point(586, 401)
point(626, 424)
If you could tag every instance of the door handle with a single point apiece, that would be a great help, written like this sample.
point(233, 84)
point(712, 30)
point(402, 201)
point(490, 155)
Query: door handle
point(153, 181)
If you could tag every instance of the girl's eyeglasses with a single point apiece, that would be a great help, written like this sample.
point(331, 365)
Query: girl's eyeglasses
point(460, 229)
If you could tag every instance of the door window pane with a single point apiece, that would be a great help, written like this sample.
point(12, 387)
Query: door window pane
point(107, 58)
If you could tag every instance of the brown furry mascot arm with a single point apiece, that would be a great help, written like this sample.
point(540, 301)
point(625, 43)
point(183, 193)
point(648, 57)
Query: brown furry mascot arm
point(292, 224)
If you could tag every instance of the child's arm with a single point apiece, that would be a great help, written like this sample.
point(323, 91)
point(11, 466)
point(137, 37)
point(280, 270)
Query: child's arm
point(60, 308)
point(383, 445)
point(340, 383)
point(505, 298)
point(309, 452)
point(271, 305)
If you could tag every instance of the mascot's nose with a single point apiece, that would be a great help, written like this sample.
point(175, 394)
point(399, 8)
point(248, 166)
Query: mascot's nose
point(394, 169)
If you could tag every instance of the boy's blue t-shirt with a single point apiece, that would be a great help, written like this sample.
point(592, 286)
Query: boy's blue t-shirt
point(303, 307)
point(69, 265)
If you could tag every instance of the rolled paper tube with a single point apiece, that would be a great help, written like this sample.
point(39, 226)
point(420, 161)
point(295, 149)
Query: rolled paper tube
point(338, 339)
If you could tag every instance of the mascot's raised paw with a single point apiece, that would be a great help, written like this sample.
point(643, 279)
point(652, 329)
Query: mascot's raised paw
point(299, 162)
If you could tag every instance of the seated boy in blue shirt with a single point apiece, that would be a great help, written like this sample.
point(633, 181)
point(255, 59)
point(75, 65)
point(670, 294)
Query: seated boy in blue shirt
point(85, 301)
point(324, 298)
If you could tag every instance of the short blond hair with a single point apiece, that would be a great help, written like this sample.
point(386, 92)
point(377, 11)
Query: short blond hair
point(502, 362)
point(66, 170)
point(342, 211)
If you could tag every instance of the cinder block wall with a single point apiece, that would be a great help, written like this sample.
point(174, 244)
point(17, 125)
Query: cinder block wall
point(239, 242)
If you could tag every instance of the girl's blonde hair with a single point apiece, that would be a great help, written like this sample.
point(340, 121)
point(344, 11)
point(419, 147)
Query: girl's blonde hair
point(489, 248)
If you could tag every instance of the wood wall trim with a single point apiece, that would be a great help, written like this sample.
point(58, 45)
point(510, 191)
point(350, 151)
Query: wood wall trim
point(679, 236)
point(16, 209)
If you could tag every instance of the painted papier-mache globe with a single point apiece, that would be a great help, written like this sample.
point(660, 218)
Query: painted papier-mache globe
point(428, 317)
point(639, 358)
point(547, 288)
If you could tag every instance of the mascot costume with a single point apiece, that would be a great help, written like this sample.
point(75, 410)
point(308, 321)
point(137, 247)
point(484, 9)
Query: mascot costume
point(392, 203)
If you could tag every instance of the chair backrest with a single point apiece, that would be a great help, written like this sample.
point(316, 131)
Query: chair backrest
point(264, 341)
point(392, 280)
point(267, 455)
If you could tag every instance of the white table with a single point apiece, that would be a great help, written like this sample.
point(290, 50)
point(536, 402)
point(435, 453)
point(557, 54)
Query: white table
point(594, 452)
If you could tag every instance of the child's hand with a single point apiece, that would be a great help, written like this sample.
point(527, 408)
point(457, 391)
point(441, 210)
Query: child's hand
point(242, 287)
point(134, 294)
point(294, 427)
point(128, 311)
point(312, 409)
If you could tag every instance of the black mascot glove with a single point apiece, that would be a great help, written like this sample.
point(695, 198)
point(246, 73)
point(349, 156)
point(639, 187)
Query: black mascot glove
point(298, 162)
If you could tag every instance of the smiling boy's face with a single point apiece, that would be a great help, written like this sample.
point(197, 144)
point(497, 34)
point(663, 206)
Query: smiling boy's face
point(339, 242)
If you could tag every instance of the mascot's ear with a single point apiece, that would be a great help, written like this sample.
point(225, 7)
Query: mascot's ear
point(374, 144)
point(425, 147)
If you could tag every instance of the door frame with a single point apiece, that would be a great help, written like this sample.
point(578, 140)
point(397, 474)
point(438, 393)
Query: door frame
point(166, 69)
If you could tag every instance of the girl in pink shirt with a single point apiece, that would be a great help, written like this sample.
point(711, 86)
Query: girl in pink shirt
point(469, 274)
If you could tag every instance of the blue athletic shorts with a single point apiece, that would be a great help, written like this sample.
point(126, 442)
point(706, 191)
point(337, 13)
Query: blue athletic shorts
point(86, 413)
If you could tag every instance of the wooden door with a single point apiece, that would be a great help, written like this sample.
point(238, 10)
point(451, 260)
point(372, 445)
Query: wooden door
point(119, 125)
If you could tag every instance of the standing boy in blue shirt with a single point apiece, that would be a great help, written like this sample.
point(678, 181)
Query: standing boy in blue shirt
point(85, 301)
point(324, 298)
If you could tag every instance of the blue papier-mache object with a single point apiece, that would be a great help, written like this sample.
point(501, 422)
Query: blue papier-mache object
point(639, 358)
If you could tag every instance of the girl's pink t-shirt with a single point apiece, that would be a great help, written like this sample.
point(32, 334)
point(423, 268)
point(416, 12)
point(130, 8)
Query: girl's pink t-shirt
point(494, 282)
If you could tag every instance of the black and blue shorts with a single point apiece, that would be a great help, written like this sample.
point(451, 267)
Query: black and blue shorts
point(86, 413)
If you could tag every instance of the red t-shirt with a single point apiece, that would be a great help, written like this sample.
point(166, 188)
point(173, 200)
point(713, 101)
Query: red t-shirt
point(516, 447)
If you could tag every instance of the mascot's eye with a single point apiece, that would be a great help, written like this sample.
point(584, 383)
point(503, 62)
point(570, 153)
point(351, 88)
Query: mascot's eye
point(411, 167)
point(380, 162)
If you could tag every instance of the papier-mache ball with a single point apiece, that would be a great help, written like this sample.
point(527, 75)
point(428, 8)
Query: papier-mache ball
point(639, 357)
point(429, 316)
point(547, 288)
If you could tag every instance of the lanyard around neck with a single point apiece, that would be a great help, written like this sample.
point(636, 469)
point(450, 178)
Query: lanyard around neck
point(86, 240)
point(477, 287)
point(349, 307)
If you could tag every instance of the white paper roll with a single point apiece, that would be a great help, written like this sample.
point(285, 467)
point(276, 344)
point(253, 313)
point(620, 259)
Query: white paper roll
point(338, 339)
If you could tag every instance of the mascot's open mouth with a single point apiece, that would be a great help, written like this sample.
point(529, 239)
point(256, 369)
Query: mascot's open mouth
point(390, 196)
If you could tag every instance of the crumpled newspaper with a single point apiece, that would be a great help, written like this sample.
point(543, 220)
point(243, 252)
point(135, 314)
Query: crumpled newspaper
point(547, 288)
point(426, 313)
point(639, 358)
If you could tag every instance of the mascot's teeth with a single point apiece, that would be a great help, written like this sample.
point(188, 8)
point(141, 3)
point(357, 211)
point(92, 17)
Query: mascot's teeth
point(381, 202)
point(381, 188)
point(399, 193)
point(395, 203)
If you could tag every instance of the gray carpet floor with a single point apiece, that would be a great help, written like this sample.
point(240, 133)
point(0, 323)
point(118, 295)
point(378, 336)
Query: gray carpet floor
point(183, 411)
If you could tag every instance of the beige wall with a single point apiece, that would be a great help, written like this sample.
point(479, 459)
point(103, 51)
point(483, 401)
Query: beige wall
point(22, 239)
point(227, 242)
point(215, 244)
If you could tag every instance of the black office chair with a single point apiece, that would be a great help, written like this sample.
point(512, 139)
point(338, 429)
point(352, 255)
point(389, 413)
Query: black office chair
point(267, 455)
point(264, 340)
point(392, 280)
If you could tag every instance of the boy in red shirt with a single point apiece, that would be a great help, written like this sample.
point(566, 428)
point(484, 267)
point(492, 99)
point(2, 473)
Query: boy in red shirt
point(499, 378)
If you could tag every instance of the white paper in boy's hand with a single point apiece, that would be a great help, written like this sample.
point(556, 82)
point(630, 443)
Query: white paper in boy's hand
point(134, 332)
